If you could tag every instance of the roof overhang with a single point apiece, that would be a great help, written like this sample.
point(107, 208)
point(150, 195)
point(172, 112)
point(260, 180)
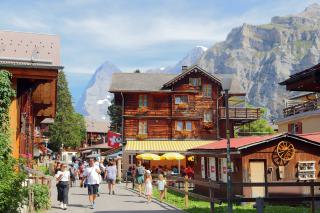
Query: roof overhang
point(192, 69)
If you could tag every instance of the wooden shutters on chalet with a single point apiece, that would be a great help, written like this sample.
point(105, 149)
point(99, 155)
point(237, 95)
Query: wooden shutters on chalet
point(143, 128)
point(143, 101)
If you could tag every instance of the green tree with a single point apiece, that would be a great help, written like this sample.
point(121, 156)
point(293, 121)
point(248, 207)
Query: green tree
point(258, 127)
point(12, 194)
point(69, 127)
point(115, 114)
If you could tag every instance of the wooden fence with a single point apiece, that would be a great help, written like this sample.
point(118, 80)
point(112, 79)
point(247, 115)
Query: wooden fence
point(183, 185)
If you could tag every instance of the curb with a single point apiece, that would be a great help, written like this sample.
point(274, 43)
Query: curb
point(155, 200)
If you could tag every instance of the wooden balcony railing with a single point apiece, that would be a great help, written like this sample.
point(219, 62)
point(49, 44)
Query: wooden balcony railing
point(300, 108)
point(240, 113)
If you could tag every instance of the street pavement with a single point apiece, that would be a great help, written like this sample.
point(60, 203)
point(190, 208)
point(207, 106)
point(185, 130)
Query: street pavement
point(123, 201)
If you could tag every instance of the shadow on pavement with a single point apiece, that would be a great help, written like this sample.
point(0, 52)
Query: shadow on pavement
point(149, 211)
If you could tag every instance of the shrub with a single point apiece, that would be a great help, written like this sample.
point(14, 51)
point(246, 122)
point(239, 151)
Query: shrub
point(44, 170)
point(41, 196)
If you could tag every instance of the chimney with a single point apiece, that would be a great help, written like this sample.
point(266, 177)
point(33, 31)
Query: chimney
point(184, 68)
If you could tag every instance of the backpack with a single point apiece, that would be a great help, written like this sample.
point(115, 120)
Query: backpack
point(140, 170)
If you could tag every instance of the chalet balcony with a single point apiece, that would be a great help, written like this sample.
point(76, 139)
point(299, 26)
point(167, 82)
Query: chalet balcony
point(312, 105)
point(240, 114)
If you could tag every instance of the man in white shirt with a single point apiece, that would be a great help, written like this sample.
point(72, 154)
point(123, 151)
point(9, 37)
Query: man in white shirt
point(92, 178)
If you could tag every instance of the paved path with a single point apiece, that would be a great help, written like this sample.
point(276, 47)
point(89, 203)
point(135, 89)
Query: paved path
point(123, 201)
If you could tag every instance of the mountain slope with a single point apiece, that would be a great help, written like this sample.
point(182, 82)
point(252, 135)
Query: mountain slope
point(262, 56)
point(95, 100)
point(189, 59)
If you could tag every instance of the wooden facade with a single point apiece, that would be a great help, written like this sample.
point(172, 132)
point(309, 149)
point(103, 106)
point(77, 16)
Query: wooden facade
point(187, 106)
point(34, 61)
point(36, 95)
point(259, 161)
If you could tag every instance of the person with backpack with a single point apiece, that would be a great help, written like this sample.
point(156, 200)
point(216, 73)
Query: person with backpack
point(72, 175)
point(92, 180)
point(140, 176)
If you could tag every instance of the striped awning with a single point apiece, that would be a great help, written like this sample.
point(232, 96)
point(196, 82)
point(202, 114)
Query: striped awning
point(163, 146)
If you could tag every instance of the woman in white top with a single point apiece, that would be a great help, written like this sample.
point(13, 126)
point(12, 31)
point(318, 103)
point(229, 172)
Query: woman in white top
point(63, 178)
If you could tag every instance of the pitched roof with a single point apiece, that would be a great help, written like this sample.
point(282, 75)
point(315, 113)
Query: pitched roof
point(157, 82)
point(300, 75)
point(245, 142)
point(192, 69)
point(96, 126)
point(136, 82)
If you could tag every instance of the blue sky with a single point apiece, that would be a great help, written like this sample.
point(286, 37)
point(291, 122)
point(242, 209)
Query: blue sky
point(136, 33)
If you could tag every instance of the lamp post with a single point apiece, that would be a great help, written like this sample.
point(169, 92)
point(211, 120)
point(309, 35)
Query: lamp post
point(226, 85)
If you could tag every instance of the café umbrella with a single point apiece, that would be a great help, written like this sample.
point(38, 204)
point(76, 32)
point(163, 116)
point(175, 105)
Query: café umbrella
point(148, 156)
point(173, 156)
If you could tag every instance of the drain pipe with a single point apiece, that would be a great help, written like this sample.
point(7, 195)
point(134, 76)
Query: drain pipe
point(218, 130)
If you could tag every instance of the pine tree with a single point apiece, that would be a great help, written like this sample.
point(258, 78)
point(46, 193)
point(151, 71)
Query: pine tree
point(69, 127)
point(115, 113)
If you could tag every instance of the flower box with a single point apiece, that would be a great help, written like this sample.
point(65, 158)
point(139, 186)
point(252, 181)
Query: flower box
point(208, 125)
point(142, 110)
point(141, 137)
point(182, 106)
point(183, 133)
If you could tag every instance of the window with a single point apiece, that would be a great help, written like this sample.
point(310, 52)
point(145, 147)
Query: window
point(143, 100)
point(142, 127)
point(195, 81)
point(207, 90)
point(295, 128)
point(188, 125)
point(184, 125)
point(181, 99)
point(179, 125)
point(207, 116)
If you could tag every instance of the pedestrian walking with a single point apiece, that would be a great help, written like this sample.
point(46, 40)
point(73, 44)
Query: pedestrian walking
point(63, 178)
point(111, 175)
point(140, 177)
point(161, 185)
point(148, 186)
point(72, 175)
point(92, 180)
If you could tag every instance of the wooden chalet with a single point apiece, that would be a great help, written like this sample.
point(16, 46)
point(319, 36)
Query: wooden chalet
point(175, 108)
point(262, 159)
point(34, 61)
point(302, 111)
point(96, 132)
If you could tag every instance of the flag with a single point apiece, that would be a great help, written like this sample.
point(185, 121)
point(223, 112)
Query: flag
point(114, 139)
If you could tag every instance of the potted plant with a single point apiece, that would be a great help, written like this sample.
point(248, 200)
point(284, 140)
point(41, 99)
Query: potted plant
point(141, 137)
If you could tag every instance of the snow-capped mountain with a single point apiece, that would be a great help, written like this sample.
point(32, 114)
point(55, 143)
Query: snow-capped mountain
point(95, 99)
point(190, 59)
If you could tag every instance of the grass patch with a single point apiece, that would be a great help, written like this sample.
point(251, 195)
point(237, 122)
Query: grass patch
point(199, 206)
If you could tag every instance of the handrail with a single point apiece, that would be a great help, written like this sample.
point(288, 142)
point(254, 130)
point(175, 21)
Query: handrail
point(303, 107)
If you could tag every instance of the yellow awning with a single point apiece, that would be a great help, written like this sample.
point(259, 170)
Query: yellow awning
point(162, 146)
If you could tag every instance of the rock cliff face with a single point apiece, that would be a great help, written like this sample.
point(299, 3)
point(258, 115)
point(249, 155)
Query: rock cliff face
point(262, 56)
point(95, 100)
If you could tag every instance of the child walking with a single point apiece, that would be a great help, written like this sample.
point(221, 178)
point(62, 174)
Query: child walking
point(161, 186)
point(148, 183)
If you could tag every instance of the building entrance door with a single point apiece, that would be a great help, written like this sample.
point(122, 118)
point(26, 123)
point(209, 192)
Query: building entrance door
point(257, 172)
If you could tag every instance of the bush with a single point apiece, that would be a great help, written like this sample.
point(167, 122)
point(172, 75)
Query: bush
point(41, 196)
point(44, 170)
point(12, 194)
